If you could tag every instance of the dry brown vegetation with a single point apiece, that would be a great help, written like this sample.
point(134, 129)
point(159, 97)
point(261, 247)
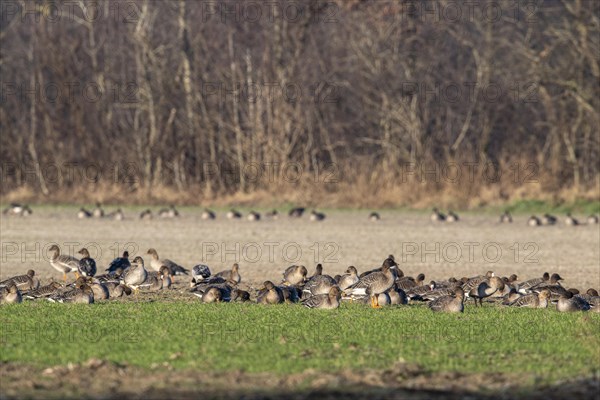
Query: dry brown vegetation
point(145, 101)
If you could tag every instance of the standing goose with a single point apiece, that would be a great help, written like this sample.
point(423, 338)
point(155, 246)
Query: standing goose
point(98, 212)
point(374, 217)
point(170, 212)
point(156, 263)
point(437, 216)
point(473, 283)
point(375, 283)
point(548, 219)
point(231, 275)
point(234, 214)
point(391, 262)
point(146, 214)
point(10, 294)
point(294, 275)
point(316, 216)
point(24, 282)
point(319, 283)
point(570, 220)
point(269, 294)
point(349, 278)
point(451, 303)
point(329, 301)
point(592, 219)
point(208, 214)
point(569, 303)
point(505, 218)
point(533, 300)
point(486, 289)
point(62, 263)
point(87, 265)
point(119, 262)
point(83, 213)
point(135, 275)
point(452, 217)
point(534, 221)
point(253, 216)
point(296, 212)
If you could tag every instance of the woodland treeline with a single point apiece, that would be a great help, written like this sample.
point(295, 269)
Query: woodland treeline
point(304, 100)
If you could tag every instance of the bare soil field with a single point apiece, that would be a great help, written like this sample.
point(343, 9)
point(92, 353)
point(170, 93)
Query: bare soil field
point(263, 249)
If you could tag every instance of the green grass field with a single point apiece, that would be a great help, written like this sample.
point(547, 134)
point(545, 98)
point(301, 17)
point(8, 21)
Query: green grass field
point(542, 344)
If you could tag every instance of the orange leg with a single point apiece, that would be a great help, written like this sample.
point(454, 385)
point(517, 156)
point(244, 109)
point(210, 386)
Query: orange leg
point(65, 276)
point(377, 302)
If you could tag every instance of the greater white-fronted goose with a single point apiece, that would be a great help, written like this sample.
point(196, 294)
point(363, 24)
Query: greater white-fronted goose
point(505, 218)
point(146, 214)
point(156, 263)
point(316, 216)
point(274, 214)
point(451, 303)
point(592, 219)
point(253, 216)
point(135, 275)
point(117, 215)
point(87, 265)
point(170, 212)
point(570, 220)
point(83, 213)
point(10, 294)
point(61, 262)
point(208, 214)
point(98, 212)
point(374, 216)
point(452, 217)
point(294, 275)
point(349, 278)
point(328, 301)
point(534, 221)
point(567, 302)
point(533, 300)
point(119, 262)
point(234, 214)
point(269, 294)
point(548, 219)
point(319, 283)
point(232, 274)
point(375, 283)
point(437, 216)
point(23, 282)
point(296, 212)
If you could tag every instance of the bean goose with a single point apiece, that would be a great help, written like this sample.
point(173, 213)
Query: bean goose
point(62, 263)
point(569, 303)
point(156, 263)
point(232, 275)
point(294, 275)
point(328, 301)
point(23, 282)
point(375, 283)
point(451, 303)
point(533, 300)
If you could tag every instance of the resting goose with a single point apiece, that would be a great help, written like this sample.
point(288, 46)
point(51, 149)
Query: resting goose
point(23, 282)
point(117, 215)
point(10, 294)
point(316, 216)
point(328, 301)
point(170, 212)
point(374, 217)
point(548, 219)
point(437, 216)
point(208, 214)
point(375, 283)
point(272, 214)
point(156, 263)
point(505, 218)
point(253, 216)
point(567, 302)
point(532, 300)
point(269, 294)
point(534, 221)
point(294, 275)
point(450, 303)
point(349, 278)
point(592, 219)
point(98, 212)
point(146, 214)
point(83, 213)
point(231, 275)
point(234, 214)
point(296, 212)
point(570, 220)
point(319, 283)
point(135, 275)
point(452, 217)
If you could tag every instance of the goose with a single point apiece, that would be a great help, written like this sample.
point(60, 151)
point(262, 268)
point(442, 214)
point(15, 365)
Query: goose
point(272, 214)
point(62, 263)
point(294, 275)
point(116, 289)
point(269, 294)
point(234, 214)
point(587, 296)
point(375, 283)
point(22, 281)
point(374, 217)
point(570, 220)
point(452, 217)
point(554, 280)
point(170, 212)
point(505, 218)
point(328, 301)
point(511, 296)
point(200, 272)
point(253, 216)
point(434, 293)
point(208, 214)
point(291, 294)
point(526, 286)
point(117, 215)
point(45, 291)
point(87, 265)
point(119, 262)
point(100, 291)
point(349, 278)
point(437, 216)
point(451, 303)
point(82, 293)
point(408, 282)
point(316, 216)
point(135, 275)
point(156, 263)
point(486, 289)
point(397, 296)
point(548, 219)
point(473, 283)
point(567, 302)
point(391, 261)
point(10, 294)
point(319, 283)
point(231, 275)
point(83, 213)
point(98, 212)
point(18, 209)
point(239, 295)
point(146, 214)
point(296, 212)
point(156, 281)
point(212, 295)
point(592, 219)
point(532, 300)
point(534, 221)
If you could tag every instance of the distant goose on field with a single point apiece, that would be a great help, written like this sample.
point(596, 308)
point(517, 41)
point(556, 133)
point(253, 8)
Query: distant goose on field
point(449, 303)
point(208, 214)
point(327, 301)
point(17, 209)
point(170, 212)
point(234, 214)
point(592, 219)
point(374, 216)
point(156, 263)
point(274, 214)
point(117, 215)
point(505, 218)
point(61, 262)
point(548, 219)
point(146, 214)
point(452, 217)
point(375, 283)
point(232, 274)
point(83, 213)
point(119, 262)
point(98, 212)
point(87, 265)
point(437, 216)
point(567, 302)
point(534, 221)
point(316, 216)
point(570, 220)
point(296, 212)
point(253, 216)
point(294, 275)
